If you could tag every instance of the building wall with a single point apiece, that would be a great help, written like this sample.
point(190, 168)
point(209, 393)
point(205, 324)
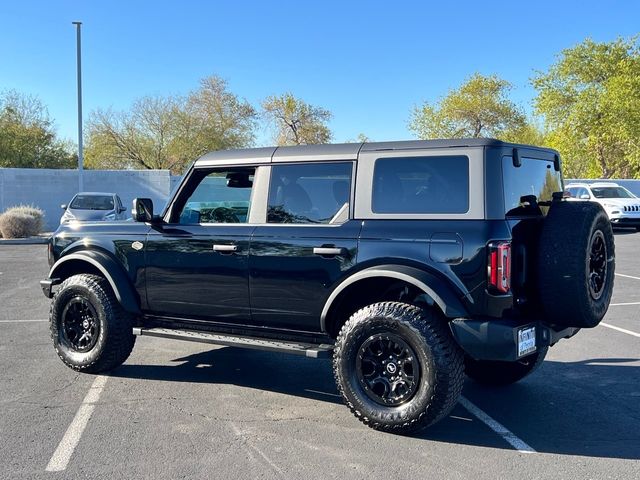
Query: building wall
point(49, 188)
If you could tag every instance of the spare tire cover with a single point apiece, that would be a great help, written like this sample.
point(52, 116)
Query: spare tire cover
point(576, 264)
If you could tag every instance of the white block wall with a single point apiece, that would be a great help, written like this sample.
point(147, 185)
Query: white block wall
point(49, 188)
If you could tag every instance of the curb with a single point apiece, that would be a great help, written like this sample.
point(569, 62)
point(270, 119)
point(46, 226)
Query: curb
point(25, 241)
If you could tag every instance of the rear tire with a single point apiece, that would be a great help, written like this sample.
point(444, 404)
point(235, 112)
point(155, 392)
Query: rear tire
point(503, 373)
point(90, 331)
point(576, 264)
point(397, 367)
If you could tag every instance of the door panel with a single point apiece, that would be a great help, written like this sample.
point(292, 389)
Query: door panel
point(289, 283)
point(193, 271)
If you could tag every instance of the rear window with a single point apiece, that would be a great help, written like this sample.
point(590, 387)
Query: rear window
point(533, 177)
point(435, 184)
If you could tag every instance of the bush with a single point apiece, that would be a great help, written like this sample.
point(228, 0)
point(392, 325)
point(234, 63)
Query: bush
point(18, 225)
point(21, 221)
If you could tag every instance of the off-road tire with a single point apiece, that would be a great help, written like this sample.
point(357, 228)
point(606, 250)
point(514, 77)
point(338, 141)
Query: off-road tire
point(439, 357)
point(115, 339)
point(503, 373)
point(564, 264)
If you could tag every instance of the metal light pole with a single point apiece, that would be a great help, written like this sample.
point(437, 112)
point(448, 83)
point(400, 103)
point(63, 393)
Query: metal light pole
point(80, 155)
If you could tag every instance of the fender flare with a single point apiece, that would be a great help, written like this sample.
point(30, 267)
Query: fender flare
point(442, 294)
point(110, 269)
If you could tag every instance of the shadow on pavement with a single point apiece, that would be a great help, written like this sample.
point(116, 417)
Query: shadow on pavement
point(588, 408)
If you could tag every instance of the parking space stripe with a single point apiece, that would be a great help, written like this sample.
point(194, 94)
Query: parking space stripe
point(497, 427)
point(623, 330)
point(627, 276)
point(69, 442)
point(22, 321)
point(623, 304)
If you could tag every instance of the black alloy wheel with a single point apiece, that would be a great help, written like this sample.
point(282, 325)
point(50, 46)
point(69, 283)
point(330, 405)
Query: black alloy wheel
point(597, 266)
point(388, 369)
point(80, 324)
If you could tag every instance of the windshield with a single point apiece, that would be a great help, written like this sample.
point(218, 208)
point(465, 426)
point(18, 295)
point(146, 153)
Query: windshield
point(92, 202)
point(611, 192)
point(534, 177)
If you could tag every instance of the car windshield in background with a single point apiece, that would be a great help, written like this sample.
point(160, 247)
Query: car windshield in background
point(92, 202)
point(533, 177)
point(611, 192)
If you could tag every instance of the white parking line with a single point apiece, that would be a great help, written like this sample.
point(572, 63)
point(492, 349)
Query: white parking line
point(249, 444)
point(497, 427)
point(627, 276)
point(22, 321)
point(69, 442)
point(622, 304)
point(623, 330)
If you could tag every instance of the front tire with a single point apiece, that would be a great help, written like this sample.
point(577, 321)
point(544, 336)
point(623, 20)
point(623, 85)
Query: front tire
point(503, 373)
point(397, 367)
point(90, 331)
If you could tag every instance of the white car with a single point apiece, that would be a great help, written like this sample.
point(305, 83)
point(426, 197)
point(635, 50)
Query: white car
point(622, 206)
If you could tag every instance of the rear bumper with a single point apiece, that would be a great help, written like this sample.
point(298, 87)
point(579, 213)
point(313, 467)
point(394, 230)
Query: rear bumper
point(498, 339)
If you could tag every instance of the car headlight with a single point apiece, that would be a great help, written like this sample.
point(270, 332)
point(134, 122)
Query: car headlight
point(110, 216)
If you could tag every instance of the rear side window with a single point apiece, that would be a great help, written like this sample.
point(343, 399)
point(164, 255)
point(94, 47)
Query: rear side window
point(313, 193)
point(435, 184)
point(534, 177)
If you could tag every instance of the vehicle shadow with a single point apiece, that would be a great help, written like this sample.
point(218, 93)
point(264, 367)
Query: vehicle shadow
point(586, 408)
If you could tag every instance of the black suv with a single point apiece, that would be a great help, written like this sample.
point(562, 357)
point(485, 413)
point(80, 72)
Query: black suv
point(409, 263)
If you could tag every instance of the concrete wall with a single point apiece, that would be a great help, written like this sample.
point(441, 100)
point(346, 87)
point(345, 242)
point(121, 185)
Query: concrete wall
point(49, 188)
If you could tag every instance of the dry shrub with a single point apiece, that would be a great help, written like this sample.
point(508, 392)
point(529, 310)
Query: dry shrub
point(21, 221)
point(18, 225)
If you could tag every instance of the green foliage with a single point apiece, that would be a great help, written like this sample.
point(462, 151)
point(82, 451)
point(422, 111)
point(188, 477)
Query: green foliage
point(27, 135)
point(590, 100)
point(480, 107)
point(170, 132)
point(295, 121)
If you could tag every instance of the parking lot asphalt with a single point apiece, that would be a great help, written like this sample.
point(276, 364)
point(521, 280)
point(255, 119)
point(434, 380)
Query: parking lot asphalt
point(186, 410)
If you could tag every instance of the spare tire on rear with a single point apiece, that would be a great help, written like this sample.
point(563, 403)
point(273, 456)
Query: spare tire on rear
point(576, 264)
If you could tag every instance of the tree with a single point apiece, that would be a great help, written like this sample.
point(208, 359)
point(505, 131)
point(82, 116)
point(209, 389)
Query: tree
point(27, 135)
point(170, 132)
point(296, 122)
point(590, 100)
point(478, 108)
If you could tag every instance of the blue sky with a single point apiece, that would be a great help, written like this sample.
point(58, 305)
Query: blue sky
point(367, 62)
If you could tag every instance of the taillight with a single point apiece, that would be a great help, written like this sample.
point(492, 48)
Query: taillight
point(499, 268)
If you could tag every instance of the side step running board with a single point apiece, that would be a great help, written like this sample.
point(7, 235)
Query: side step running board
point(310, 350)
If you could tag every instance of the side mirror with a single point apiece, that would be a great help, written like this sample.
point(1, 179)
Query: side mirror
point(121, 209)
point(584, 196)
point(63, 206)
point(142, 210)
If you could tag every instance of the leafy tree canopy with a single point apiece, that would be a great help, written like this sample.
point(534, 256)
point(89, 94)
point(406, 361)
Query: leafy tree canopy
point(27, 135)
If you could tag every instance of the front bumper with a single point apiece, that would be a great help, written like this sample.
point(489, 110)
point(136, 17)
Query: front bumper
point(47, 286)
point(623, 221)
point(499, 339)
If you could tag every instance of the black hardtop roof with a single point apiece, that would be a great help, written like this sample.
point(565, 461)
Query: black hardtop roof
point(348, 151)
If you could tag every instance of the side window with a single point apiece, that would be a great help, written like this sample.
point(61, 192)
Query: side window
point(221, 196)
point(436, 184)
point(570, 192)
point(314, 193)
